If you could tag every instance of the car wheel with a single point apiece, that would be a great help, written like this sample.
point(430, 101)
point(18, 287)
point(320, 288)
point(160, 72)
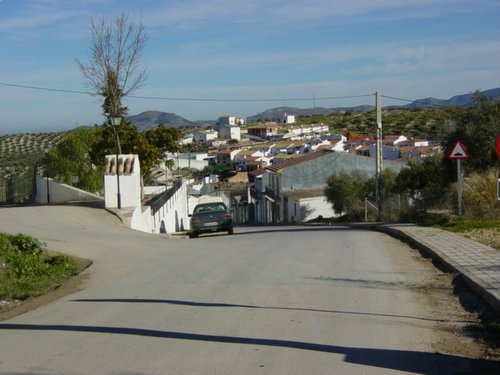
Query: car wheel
point(193, 235)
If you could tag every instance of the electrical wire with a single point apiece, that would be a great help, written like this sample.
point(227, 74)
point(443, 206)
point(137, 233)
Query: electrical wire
point(249, 100)
point(187, 99)
point(396, 98)
point(45, 88)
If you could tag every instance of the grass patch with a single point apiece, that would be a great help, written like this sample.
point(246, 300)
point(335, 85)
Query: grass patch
point(462, 224)
point(28, 270)
point(486, 231)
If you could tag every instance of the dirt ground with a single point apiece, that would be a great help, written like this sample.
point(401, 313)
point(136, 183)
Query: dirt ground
point(465, 331)
point(487, 236)
point(470, 327)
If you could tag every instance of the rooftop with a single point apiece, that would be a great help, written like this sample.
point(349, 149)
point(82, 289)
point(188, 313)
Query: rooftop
point(299, 160)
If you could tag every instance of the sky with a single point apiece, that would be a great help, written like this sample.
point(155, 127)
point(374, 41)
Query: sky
point(210, 58)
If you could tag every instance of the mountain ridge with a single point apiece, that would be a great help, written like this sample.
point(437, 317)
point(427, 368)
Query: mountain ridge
point(150, 119)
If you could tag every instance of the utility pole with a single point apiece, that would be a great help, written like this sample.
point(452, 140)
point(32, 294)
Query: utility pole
point(378, 163)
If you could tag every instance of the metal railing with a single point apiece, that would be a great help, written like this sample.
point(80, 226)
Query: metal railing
point(18, 188)
point(367, 205)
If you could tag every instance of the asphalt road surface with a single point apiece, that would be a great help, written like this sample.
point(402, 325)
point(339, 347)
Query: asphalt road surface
point(266, 300)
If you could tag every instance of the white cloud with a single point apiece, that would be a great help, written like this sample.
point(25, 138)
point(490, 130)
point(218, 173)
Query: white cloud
point(266, 12)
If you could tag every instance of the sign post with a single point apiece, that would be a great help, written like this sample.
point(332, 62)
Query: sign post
point(498, 146)
point(498, 189)
point(498, 154)
point(459, 152)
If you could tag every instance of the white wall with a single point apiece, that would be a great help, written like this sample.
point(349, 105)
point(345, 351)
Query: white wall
point(170, 218)
point(230, 132)
point(190, 160)
point(305, 209)
point(130, 181)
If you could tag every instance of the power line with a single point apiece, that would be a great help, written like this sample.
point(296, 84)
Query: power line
point(313, 98)
point(186, 99)
point(249, 100)
point(396, 98)
point(44, 88)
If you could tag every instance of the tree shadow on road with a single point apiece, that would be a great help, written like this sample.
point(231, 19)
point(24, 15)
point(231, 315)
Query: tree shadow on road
point(231, 305)
point(402, 360)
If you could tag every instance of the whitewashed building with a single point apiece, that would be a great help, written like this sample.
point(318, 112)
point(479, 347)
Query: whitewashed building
point(230, 132)
point(205, 136)
point(231, 121)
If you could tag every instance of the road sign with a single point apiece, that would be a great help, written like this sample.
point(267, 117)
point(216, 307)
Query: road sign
point(458, 151)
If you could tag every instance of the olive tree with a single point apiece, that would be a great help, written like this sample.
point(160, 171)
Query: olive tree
point(71, 160)
point(346, 192)
point(477, 127)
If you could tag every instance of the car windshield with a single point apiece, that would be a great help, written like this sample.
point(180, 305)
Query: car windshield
point(210, 207)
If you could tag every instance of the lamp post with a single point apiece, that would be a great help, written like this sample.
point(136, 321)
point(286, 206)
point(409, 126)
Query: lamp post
point(116, 121)
point(46, 150)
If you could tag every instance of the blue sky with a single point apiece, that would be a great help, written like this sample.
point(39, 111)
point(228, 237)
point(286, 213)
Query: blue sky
point(247, 49)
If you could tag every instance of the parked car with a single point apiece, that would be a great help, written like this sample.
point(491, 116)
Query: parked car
point(211, 217)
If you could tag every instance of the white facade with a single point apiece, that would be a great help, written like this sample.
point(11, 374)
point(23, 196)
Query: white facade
point(309, 129)
point(205, 136)
point(303, 208)
point(287, 119)
point(230, 132)
point(129, 181)
point(190, 160)
point(186, 140)
point(231, 120)
point(414, 143)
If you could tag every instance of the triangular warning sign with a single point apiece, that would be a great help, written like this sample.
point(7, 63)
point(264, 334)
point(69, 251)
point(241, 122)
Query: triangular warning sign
point(458, 151)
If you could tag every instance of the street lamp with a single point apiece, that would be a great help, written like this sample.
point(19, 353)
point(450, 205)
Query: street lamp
point(116, 121)
point(46, 150)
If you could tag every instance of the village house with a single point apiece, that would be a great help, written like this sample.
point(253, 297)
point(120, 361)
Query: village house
point(229, 132)
point(291, 190)
point(205, 136)
point(250, 160)
point(287, 119)
point(225, 157)
point(231, 121)
point(263, 131)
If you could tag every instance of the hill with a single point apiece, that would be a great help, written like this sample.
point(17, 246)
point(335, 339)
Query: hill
point(465, 100)
point(151, 119)
point(275, 114)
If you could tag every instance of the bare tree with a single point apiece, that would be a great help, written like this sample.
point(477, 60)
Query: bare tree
point(113, 69)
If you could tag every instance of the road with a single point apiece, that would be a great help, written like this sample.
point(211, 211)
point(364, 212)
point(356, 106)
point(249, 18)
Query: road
point(267, 300)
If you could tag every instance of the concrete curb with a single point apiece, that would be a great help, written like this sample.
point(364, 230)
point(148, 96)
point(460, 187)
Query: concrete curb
point(487, 291)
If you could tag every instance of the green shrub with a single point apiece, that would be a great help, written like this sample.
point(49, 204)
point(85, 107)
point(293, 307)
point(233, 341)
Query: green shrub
point(425, 218)
point(26, 270)
point(27, 245)
point(5, 246)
